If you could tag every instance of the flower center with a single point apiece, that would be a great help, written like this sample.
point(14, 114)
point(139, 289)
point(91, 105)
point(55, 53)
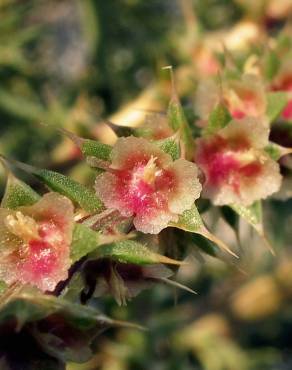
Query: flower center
point(22, 226)
point(149, 172)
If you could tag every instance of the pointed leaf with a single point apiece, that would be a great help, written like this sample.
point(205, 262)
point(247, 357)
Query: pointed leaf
point(129, 251)
point(254, 216)
point(219, 118)
point(271, 65)
point(191, 221)
point(18, 194)
point(276, 151)
point(275, 104)
point(169, 146)
point(204, 244)
point(178, 121)
point(84, 241)
point(64, 185)
point(90, 148)
point(63, 329)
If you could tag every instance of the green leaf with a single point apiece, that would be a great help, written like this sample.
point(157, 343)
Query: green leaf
point(18, 194)
point(191, 221)
point(64, 185)
point(271, 65)
point(129, 251)
point(96, 149)
point(169, 146)
point(178, 121)
point(231, 217)
point(219, 118)
point(254, 216)
point(276, 151)
point(276, 102)
point(84, 241)
point(90, 148)
point(63, 329)
point(204, 244)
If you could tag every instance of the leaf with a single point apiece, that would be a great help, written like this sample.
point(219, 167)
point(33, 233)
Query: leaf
point(271, 65)
point(84, 241)
point(231, 217)
point(204, 244)
point(219, 118)
point(18, 194)
point(276, 151)
point(178, 120)
point(90, 148)
point(61, 328)
point(254, 216)
point(129, 251)
point(276, 102)
point(169, 146)
point(191, 221)
point(64, 185)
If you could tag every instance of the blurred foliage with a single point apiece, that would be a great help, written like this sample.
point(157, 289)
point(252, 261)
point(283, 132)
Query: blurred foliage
point(72, 63)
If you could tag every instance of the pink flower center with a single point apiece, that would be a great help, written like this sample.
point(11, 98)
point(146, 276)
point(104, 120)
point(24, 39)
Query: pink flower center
point(41, 256)
point(144, 187)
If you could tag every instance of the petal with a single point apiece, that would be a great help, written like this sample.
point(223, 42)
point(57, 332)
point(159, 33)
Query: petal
point(249, 95)
point(153, 221)
point(8, 241)
point(157, 127)
point(130, 151)
point(54, 208)
point(106, 186)
point(254, 131)
point(250, 189)
point(187, 186)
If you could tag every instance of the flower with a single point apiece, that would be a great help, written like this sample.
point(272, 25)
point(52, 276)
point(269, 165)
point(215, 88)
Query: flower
point(35, 242)
point(143, 181)
point(235, 165)
point(243, 97)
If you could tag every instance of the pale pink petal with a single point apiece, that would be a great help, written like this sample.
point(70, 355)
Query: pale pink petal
point(153, 221)
point(106, 186)
point(255, 131)
point(54, 208)
point(246, 95)
point(187, 186)
point(131, 150)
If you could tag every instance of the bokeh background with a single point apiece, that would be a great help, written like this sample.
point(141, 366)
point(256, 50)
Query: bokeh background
point(75, 64)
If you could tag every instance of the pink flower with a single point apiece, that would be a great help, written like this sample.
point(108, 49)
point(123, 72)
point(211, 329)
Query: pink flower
point(144, 182)
point(243, 97)
point(35, 242)
point(235, 165)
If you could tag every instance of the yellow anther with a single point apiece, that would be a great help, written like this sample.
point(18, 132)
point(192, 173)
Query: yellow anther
point(150, 170)
point(22, 226)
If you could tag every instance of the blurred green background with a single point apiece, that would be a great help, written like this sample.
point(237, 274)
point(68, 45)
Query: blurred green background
point(74, 63)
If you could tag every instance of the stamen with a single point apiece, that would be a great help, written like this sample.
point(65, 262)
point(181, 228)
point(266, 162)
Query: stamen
point(22, 226)
point(150, 170)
